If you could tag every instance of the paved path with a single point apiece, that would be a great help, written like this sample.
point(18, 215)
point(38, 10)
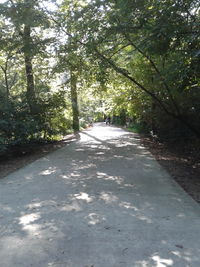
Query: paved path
point(101, 201)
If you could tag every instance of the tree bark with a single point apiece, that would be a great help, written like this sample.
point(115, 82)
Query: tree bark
point(74, 101)
point(6, 83)
point(30, 93)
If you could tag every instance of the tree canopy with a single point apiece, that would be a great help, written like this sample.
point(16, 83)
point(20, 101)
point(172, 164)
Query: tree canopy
point(66, 63)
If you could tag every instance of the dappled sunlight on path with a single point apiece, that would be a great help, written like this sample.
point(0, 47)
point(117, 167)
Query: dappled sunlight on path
point(100, 201)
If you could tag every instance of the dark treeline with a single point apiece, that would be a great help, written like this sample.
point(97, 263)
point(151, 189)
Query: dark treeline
point(65, 64)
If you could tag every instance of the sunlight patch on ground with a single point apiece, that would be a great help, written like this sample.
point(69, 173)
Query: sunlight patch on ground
point(94, 146)
point(108, 197)
point(144, 218)
point(184, 255)
point(118, 156)
point(64, 177)
point(124, 144)
point(75, 174)
point(88, 139)
point(162, 262)
point(140, 147)
point(177, 253)
point(84, 196)
point(11, 242)
point(100, 153)
point(29, 177)
point(101, 133)
point(128, 185)
point(6, 208)
point(27, 223)
point(29, 218)
point(48, 172)
point(95, 218)
point(74, 206)
point(180, 215)
point(33, 229)
point(42, 204)
point(34, 206)
point(85, 166)
point(104, 147)
point(128, 205)
point(104, 176)
point(141, 264)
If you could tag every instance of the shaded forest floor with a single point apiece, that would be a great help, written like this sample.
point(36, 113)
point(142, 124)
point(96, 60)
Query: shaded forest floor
point(19, 157)
point(182, 163)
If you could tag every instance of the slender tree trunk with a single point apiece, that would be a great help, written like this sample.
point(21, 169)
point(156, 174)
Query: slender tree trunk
point(153, 124)
point(74, 101)
point(7, 86)
point(6, 83)
point(30, 93)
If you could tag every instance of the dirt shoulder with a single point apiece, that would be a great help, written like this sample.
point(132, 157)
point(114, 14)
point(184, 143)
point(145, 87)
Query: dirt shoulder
point(20, 157)
point(181, 162)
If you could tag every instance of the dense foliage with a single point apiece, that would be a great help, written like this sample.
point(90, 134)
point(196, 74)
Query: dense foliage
point(66, 63)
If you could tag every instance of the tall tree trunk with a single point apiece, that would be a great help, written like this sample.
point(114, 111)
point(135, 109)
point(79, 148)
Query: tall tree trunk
point(7, 87)
point(6, 83)
point(30, 93)
point(74, 101)
point(153, 124)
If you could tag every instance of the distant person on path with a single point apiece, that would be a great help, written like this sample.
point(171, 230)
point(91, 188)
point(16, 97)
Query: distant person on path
point(108, 120)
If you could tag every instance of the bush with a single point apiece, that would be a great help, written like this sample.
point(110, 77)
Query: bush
point(18, 126)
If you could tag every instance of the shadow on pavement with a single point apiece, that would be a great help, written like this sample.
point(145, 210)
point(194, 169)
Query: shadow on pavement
point(97, 202)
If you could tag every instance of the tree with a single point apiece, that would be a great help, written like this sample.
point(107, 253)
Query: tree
point(162, 32)
point(34, 109)
point(25, 16)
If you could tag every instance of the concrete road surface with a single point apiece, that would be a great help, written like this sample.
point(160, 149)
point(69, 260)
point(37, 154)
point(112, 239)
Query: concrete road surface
point(101, 201)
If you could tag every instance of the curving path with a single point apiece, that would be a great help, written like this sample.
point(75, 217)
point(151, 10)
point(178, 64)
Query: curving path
point(101, 201)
